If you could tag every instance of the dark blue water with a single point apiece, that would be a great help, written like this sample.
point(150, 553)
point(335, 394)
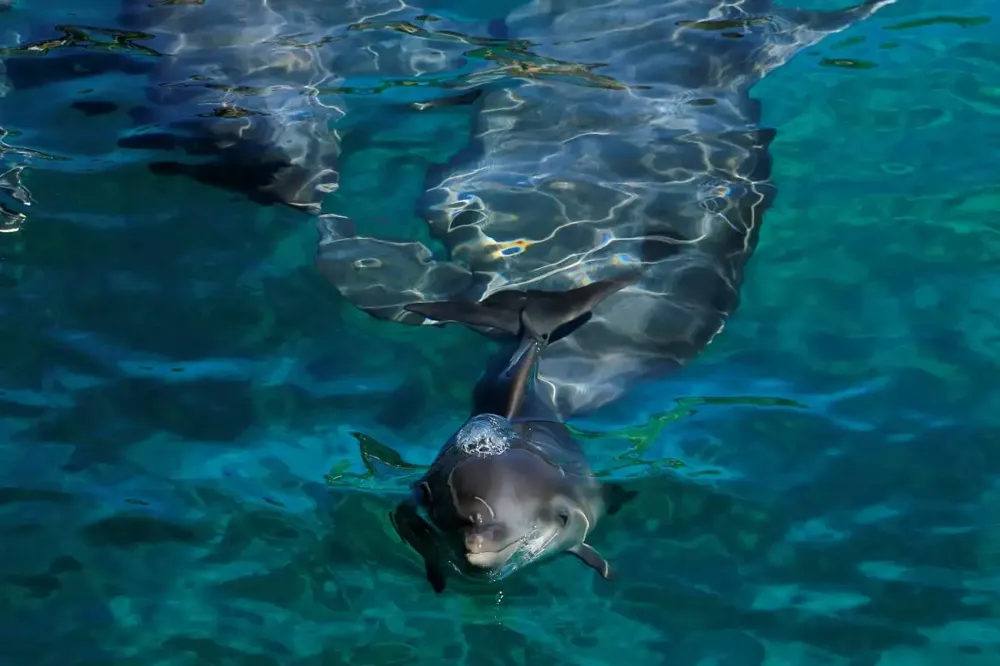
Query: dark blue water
point(200, 439)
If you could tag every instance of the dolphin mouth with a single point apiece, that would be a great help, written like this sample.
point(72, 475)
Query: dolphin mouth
point(530, 551)
point(490, 559)
point(500, 564)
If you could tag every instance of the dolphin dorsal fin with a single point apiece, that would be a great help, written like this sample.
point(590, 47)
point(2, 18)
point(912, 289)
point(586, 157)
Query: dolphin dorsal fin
point(520, 371)
point(543, 316)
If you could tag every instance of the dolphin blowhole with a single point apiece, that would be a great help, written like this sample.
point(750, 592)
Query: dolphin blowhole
point(485, 435)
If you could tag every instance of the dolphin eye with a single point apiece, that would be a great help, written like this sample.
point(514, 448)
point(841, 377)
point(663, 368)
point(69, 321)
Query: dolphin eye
point(562, 515)
point(425, 493)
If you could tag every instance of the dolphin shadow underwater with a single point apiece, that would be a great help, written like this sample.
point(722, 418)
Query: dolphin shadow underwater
point(246, 96)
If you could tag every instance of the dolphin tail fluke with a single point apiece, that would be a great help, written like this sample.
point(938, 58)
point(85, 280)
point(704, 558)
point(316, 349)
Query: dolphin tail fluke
point(537, 318)
point(542, 316)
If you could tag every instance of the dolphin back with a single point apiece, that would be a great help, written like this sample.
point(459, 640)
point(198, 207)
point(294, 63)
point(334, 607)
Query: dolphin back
point(655, 159)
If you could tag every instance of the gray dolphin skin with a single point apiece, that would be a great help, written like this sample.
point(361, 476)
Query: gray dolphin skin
point(622, 142)
point(623, 137)
point(512, 486)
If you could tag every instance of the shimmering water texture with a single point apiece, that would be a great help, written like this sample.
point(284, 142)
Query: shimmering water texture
point(201, 438)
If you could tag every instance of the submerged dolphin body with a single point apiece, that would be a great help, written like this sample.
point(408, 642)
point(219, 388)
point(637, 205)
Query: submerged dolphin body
point(625, 137)
point(246, 95)
point(512, 486)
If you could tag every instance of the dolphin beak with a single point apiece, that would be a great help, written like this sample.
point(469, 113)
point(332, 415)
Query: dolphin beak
point(479, 552)
point(475, 544)
point(482, 560)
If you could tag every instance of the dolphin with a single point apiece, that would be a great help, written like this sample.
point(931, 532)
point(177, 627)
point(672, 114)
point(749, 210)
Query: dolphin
point(251, 96)
point(622, 142)
point(511, 486)
point(623, 136)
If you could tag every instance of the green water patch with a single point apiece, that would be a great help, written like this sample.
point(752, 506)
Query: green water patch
point(847, 63)
point(88, 37)
point(960, 21)
point(386, 470)
point(851, 41)
point(642, 437)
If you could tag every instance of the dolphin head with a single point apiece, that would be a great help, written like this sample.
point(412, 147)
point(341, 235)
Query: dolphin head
point(511, 509)
point(498, 503)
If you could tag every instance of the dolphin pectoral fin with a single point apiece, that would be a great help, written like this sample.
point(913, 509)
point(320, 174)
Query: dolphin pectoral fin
point(592, 559)
point(435, 576)
point(616, 496)
point(412, 529)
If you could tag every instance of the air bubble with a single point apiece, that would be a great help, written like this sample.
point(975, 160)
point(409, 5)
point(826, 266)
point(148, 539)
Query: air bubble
point(485, 435)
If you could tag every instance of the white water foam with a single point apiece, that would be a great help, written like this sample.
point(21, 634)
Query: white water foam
point(485, 435)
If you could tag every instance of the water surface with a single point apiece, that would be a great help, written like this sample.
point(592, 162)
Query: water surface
point(201, 440)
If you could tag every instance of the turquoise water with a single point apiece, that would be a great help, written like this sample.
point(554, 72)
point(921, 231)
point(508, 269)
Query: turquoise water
point(201, 440)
